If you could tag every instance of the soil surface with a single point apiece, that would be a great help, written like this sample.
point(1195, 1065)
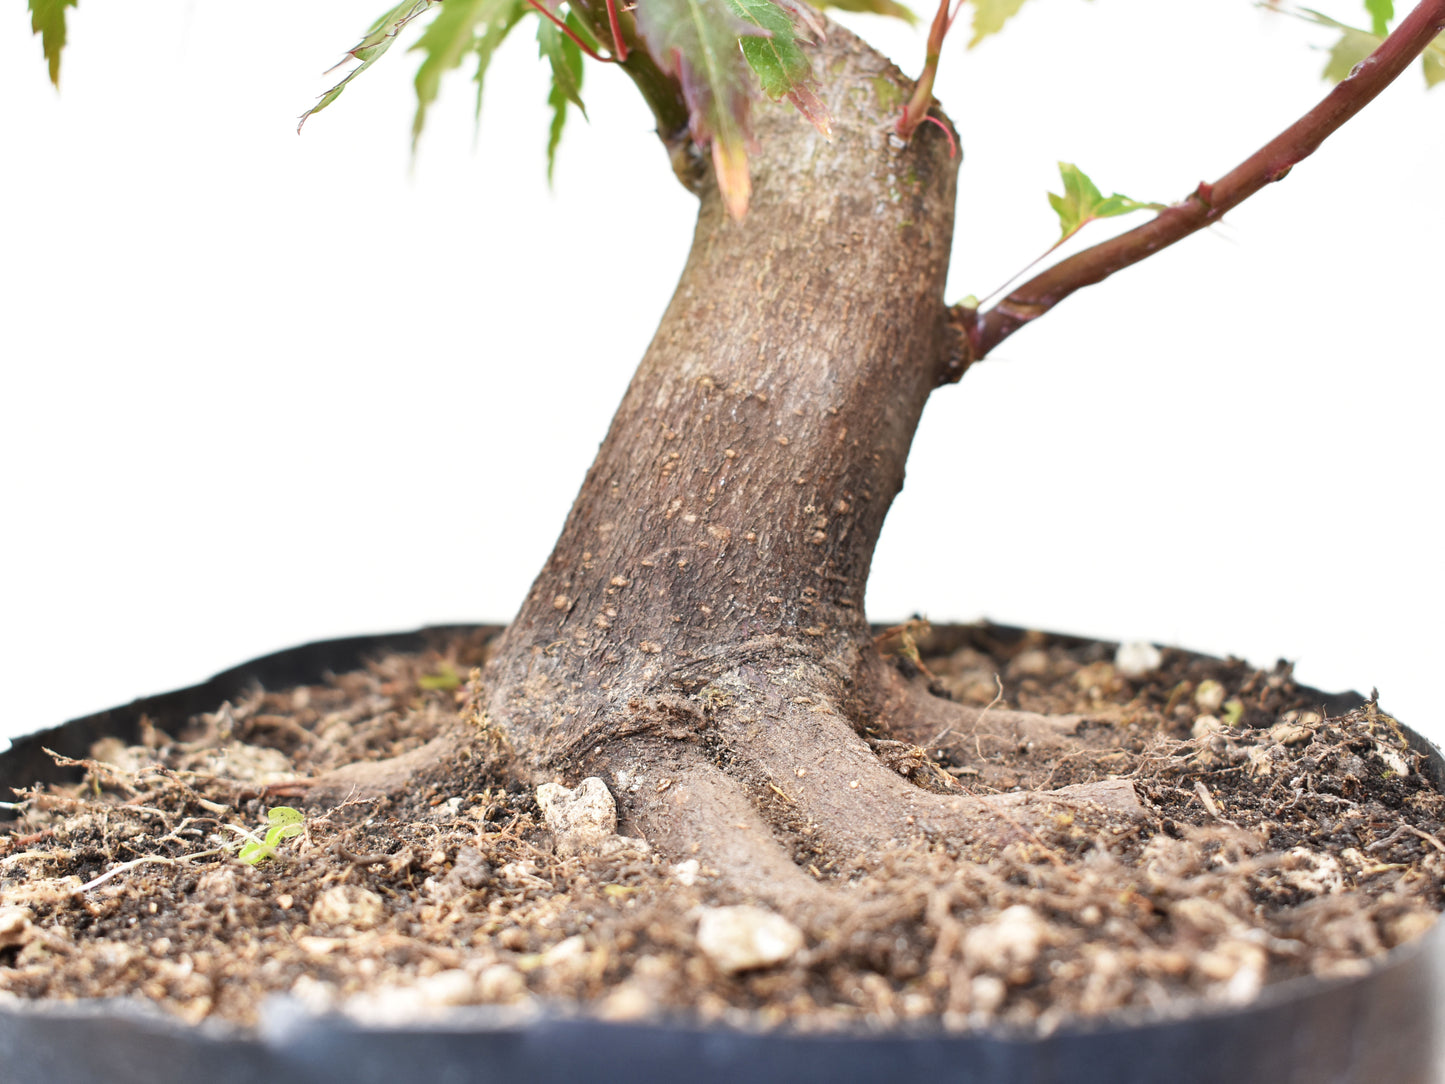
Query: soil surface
point(1277, 842)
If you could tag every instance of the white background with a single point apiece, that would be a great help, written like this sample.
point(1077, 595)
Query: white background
point(259, 389)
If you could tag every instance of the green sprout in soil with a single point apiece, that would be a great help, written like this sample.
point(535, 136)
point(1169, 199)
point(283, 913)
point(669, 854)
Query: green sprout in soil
point(285, 823)
point(446, 679)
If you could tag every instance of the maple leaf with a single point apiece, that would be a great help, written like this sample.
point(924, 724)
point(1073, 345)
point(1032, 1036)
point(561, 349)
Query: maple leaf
point(462, 27)
point(370, 48)
point(1354, 44)
point(781, 66)
point(989, 17)
point(485, 45)
point(47, 18)
point(1381, 12)
point(1082, 202)
point(697, 41)
point(1434, 62)
point(565, 58)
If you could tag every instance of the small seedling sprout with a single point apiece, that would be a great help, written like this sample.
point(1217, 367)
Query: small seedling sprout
point(285, 823)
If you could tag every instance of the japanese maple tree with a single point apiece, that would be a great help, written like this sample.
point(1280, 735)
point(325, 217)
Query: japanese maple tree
point(701, 619)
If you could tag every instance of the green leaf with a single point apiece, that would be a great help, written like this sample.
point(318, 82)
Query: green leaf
point(989, 17)
point(370, 48)
point(697, 41)
point(1381, 12)
point(283, 816)
point(876, 7)
point(565, 59)
point(47, 18)
point(1352, 48)
point(491, 36)
point(781, 66)
point(446, 678)
point(775, 59)
point(1356, 44)
point(1082, 202)
point(464, 26)
point(285, 823)
point(1434, 62)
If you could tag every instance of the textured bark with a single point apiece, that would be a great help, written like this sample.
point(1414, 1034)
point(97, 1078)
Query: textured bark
point(733, 510)
point(697, 638)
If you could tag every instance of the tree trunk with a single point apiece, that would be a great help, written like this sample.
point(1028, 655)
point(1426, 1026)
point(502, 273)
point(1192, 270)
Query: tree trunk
point(697, 638)
point(736, 502)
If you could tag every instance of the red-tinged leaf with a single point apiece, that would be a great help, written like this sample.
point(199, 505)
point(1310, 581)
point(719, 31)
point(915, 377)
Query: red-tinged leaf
point(781, 66)
point(805, 17)
point(734, 182)
point(47, 18)
point(813, 109)
point(371, 47)
point(697, 41)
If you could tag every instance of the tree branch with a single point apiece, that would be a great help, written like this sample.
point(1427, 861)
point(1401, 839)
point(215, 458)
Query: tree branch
point(1207, 203)
point(662, 92)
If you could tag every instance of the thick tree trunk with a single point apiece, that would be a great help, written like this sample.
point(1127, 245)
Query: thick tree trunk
point(697, 638)
point(737, 499)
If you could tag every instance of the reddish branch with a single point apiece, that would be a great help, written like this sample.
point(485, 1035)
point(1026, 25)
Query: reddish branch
point(916, 111)
point(1208, 203)
point(619, 46)
point(576, 39)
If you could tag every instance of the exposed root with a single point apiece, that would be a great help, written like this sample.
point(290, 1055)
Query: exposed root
point(765, 774)
point(968, 734)
point(696, 810)
point(367, 778)
point(816, 775)
point(1305, 846)
point(771, 776)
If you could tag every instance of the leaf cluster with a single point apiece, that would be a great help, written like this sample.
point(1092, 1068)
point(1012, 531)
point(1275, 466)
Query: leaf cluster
point(720, 54)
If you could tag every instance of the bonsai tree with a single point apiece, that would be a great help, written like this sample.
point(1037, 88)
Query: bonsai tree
point(701, 617)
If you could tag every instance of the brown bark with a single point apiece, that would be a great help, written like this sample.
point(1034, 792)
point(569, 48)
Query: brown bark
point(697, 637)
point(736, 501)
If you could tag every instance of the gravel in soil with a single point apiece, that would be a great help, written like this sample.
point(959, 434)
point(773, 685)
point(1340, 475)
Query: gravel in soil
point(1277, 842)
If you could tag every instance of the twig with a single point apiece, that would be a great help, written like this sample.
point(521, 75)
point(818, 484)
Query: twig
point(150, 858)
point(1209, 202)
point(1207, 800)
point(1426, 836)
point(976, 720)
point(576, 40)
point(916, 111)
point(1385, 841)
point(347, 855)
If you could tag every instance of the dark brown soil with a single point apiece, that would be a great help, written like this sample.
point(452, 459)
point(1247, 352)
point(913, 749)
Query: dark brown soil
point(1276, 843)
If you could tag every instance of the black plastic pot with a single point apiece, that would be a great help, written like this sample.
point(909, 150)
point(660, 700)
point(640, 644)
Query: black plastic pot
point(1381, 1027)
